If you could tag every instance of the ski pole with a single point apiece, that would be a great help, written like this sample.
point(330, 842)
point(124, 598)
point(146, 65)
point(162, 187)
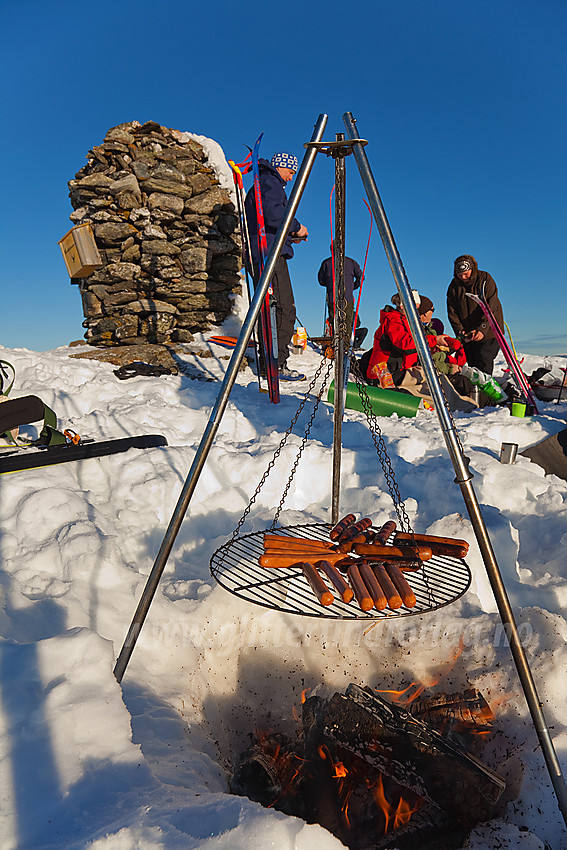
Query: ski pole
point(246, 252)
point(363, 276)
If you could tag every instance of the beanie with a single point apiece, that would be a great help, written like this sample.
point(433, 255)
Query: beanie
point(397, 301)
point(462, 266)
point(425, 305)
point(281, 159)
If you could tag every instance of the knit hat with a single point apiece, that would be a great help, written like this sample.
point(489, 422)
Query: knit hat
point(281, 159)
point(462, 266)
point(397, 301)
point(425, 305)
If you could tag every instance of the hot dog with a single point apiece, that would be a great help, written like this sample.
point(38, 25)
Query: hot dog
point(389, 588)
point(292, 559)
point(355, 529)
point(298, 550)
point(449, 546)
point(401, 584)
point(340, 584)
point(279, 541)
point(360, 590)
point(375, 590)
point(318, 586)
point(382, 535)
point(342, 524)
point(393, 553)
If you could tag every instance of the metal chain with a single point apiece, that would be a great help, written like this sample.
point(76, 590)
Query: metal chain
point(284, 441)
point(302, 446)
point(381, 450)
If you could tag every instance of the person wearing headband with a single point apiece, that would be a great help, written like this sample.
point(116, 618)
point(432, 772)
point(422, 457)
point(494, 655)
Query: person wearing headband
point(467, 319)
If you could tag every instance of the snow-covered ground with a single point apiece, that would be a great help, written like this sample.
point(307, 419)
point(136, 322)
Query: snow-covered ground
point(86, 762)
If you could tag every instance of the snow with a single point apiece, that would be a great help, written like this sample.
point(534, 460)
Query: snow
point(88, 763)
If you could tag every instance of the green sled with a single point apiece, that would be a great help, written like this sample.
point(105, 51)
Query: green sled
point(382, 402)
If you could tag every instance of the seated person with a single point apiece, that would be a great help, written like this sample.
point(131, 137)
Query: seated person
point(393, 342)
point(394, 347)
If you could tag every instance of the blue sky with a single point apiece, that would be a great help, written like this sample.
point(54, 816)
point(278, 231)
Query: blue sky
point(463, 105)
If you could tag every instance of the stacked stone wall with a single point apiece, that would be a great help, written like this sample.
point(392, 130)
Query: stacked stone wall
point(167, 234)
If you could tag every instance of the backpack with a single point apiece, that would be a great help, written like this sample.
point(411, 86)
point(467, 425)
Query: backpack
point(24, 411)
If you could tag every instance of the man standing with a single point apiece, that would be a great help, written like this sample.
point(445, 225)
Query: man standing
point(353, 279)
point(273, 177)
point(467, 319)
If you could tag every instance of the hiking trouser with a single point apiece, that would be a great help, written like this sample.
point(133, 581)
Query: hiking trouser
point(482, 354)
point(284, 306)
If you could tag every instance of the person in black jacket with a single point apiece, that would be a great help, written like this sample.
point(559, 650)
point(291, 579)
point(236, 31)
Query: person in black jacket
point(467, 319)
point(273, 177)
point(353, 279)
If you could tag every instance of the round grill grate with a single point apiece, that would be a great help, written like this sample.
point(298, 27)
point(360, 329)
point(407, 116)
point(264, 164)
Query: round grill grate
point(235, 567)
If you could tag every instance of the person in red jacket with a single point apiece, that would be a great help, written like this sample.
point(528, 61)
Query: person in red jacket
point(394, 347)
point(393, 342)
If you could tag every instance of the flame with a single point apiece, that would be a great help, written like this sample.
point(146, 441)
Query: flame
point(303, 698)
point(404, 697)
point(394, 817)
point(340, 770)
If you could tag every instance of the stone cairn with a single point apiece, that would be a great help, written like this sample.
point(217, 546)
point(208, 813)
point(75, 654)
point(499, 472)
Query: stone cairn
point(167, 234)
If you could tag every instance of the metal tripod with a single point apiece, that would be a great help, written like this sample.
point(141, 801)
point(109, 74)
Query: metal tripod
point(459, 461)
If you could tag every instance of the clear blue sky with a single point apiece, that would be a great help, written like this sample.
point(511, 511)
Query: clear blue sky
point(463, 105)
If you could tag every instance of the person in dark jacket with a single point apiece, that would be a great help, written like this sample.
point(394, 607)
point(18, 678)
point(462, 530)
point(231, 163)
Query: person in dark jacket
point(467, 319)
point(353, 278)
point(273, 177)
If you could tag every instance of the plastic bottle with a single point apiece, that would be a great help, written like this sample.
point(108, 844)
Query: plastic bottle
point(484, 382)
point(299, 339)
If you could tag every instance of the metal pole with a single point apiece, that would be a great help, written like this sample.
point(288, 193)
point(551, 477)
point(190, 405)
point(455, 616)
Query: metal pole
point(460, 464)
point(339, 323)
point(220, 404)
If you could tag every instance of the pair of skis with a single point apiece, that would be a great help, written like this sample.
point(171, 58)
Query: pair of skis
point(509, 355)
point(33, 457)
point(268, 329)
point(267, 323)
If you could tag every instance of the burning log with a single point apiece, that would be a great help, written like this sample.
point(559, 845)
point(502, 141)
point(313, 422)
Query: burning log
point(469, 708)
point(406, 749)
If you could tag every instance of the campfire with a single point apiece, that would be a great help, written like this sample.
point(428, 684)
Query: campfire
point(378, 773)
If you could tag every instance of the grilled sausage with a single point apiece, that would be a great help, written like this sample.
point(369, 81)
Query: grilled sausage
point(355, 529)
point(383, 533)
point(342, 524)
point(318, 586)
point(334, 575)
point(448, 546)
point(393, 553)
point(360, 590)
point(292, 559)
point(401, 584)
point(375, 590)
point(282, 541)
point(389, 588)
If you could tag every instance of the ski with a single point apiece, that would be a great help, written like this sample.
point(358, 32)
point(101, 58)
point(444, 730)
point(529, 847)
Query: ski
point(511, 360)
point(237, 171)
point(229, 341)
point(34, 457)
point(268, 334)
